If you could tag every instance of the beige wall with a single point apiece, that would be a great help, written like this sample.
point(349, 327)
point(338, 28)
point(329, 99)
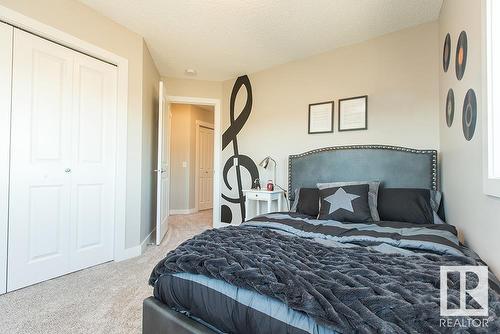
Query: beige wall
point(179, 153)
point(466, 205)
point(399, 73)
point(150, 83)
point(183, 149)
point(193, 88)
point(82, 22)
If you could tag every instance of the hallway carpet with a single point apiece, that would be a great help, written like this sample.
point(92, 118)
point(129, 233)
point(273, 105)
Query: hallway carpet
point(103, 299)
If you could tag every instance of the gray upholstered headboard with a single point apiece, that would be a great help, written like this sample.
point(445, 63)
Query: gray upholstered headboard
point(396, 167)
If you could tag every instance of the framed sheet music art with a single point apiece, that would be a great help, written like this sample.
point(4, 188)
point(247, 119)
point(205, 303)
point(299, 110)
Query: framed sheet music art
point(353, 113)
point(320, 117)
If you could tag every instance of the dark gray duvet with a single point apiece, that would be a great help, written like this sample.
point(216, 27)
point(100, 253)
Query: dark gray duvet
point(362, 288)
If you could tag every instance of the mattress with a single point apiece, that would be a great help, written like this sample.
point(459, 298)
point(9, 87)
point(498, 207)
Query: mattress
point(227, 308)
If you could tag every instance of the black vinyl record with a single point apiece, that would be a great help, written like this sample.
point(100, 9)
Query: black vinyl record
point(469, 114)
point(446, 52)
point(461, 55)
point(450, 107)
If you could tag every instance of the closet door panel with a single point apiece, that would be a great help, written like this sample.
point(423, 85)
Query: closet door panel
point(39, 215)
point(93, 162)
point(6, 32)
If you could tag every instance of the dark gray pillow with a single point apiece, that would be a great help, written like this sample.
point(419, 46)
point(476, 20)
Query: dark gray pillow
point(409, 205)
point(345, 204)
point(306, 201)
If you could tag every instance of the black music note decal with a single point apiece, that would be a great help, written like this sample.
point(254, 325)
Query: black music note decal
point(237, 160)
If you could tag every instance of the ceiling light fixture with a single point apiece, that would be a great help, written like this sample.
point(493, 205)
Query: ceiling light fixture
point(190, 71)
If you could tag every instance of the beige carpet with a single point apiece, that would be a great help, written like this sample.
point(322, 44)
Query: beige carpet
point(102, 299)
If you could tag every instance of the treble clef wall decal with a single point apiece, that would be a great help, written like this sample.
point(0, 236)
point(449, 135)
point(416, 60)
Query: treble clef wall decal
point(237, 160)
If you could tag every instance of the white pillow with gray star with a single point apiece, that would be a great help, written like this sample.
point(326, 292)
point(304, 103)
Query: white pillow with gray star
point(345, 204)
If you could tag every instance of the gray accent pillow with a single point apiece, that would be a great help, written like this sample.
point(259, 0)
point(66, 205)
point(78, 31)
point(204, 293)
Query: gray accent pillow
point(295, 201)
point(436, 197)
point(373, 187)
point(437, 219)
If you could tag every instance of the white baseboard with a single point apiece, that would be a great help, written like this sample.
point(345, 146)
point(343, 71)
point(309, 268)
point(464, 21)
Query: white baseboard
point(183, 211)
point(128, 253)
point(148, 240)
point(138, 250)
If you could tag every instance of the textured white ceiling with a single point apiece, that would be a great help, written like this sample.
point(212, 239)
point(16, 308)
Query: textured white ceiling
point(222, 39)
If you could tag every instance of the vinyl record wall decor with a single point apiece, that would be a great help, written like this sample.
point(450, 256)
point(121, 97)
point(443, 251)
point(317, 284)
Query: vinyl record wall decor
point(450, 107)
point(461, 55)
point(446, 52)
point(469, 107)
point(469, 114)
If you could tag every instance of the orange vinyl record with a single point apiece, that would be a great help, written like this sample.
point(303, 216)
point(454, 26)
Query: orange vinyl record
point(461, 55)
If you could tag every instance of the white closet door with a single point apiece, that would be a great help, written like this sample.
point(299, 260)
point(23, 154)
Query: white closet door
point(93, 162)
point(41, 128)
point(6, 32)
point(62, 172)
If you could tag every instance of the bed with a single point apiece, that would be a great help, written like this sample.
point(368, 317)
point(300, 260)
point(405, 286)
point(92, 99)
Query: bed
point(290, 272)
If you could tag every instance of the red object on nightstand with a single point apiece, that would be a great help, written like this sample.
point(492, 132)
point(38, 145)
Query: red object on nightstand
point(270, 185)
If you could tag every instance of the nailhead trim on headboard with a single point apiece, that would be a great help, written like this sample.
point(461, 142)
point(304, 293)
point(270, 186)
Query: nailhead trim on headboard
point(383, 147)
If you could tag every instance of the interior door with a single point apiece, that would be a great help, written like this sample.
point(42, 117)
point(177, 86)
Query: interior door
point(6, 32)
point(39, 209)
point(92, 162)
point(163, 167)
point(206, 168)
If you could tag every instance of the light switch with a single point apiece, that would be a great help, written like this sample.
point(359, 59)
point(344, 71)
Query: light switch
point(184, 164)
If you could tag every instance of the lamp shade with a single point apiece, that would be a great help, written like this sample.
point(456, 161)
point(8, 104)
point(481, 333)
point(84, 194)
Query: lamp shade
point(264, 163)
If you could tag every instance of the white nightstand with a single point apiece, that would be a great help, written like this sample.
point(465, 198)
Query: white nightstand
point(261, 195)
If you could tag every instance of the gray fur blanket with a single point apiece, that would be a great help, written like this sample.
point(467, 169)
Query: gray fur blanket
point(351, 290)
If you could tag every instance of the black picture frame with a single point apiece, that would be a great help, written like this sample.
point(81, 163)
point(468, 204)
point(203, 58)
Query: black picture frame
point(332, 103)
point(365, 97)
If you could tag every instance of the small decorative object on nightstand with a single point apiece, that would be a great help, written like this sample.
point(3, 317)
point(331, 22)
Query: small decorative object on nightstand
point(261, 195)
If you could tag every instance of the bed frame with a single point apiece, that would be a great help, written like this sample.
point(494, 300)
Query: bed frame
point(157, 318)
point(397, 167)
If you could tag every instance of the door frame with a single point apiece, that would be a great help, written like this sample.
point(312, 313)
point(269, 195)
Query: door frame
point(200, 124)
point(216, 103)
point(5, 114)
point(21, 21)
